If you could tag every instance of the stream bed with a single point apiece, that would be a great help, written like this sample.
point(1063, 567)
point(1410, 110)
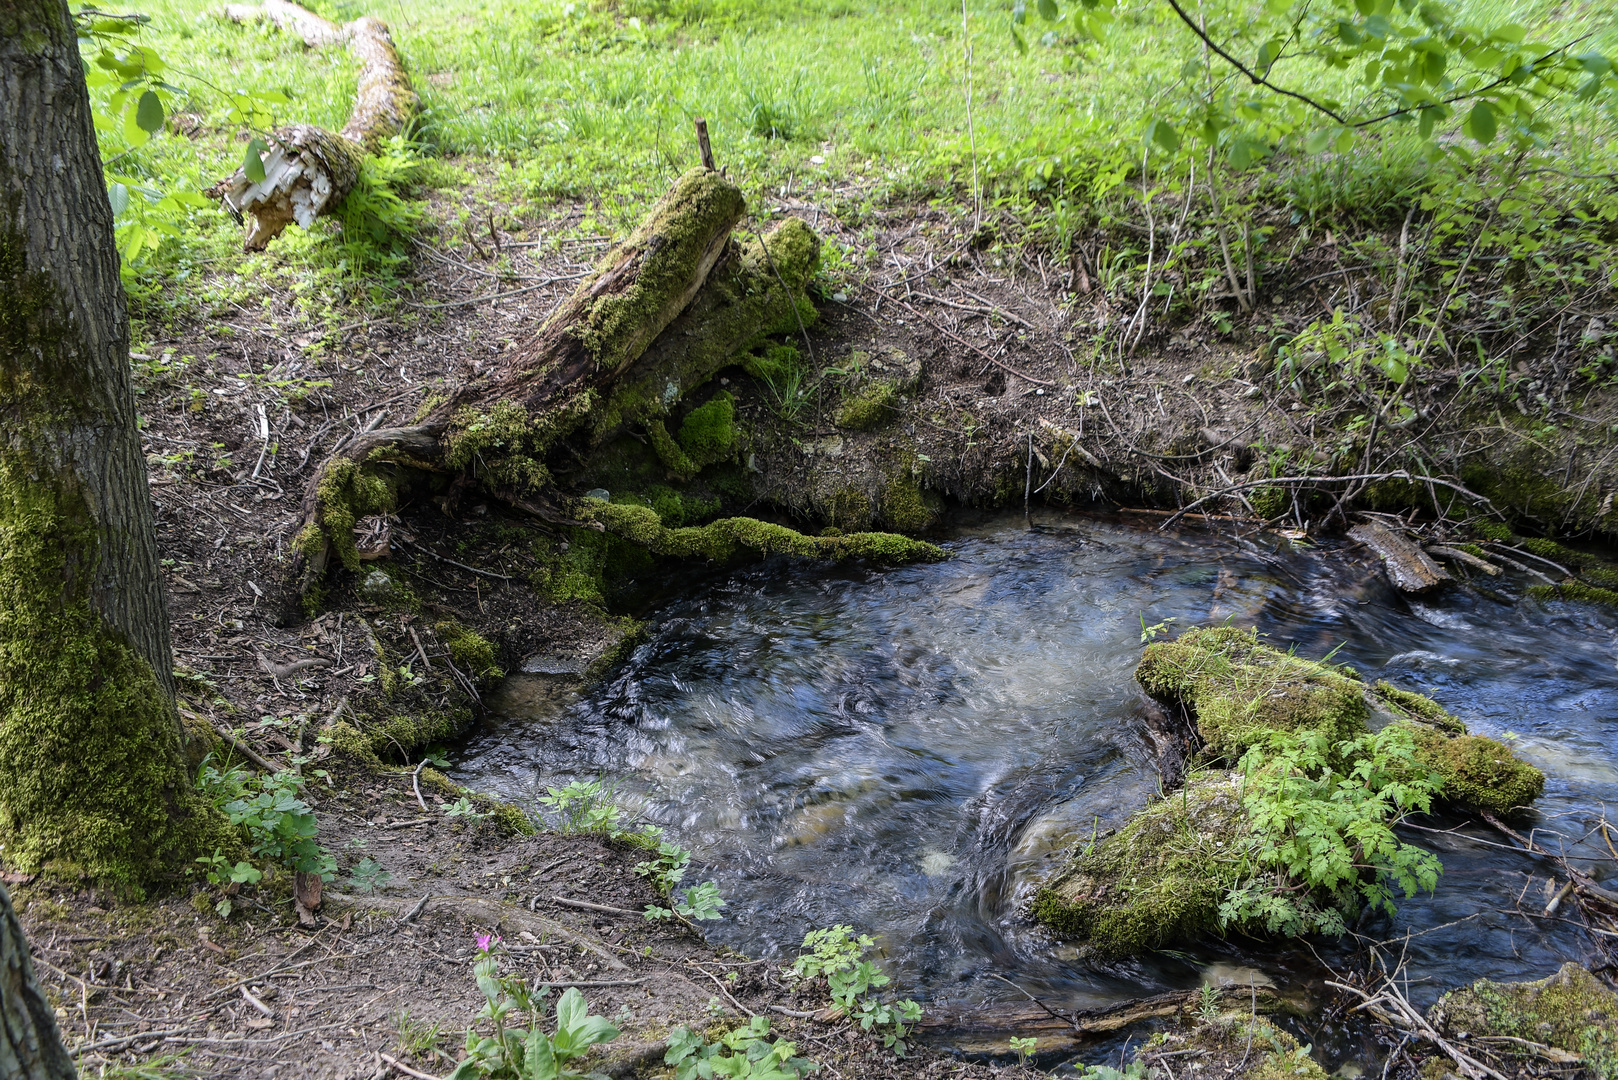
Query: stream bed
point(911, 751)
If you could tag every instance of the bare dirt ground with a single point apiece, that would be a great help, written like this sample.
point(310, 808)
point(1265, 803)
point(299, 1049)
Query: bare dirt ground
point(990, 342)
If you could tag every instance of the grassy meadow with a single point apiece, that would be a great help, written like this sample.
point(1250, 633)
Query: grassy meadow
point(852, 102)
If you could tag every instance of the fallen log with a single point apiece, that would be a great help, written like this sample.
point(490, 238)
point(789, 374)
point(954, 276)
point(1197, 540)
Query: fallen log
point(662, 313)
point(984, 1029)
point(308, 170)
point(1409, 568)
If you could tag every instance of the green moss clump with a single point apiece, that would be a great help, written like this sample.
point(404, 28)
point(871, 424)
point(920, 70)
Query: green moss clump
point(1492, 530)
point(1478, 771)
point(1419, 707)
point(346, 493)
point(1550, 549)
point(729, 539)
point(669, 452)
point(871, 406)
point(369, 741)
point(1600, 576)
point(1160, 879)
point(774, 365)
point(1269, 502)
point(905, 507)
point(1240, 690)
point(1575, 592)
point(470, 649)
point(708, 433)
point(850, 509)
point(1238, 1044)
point(1571, 1010)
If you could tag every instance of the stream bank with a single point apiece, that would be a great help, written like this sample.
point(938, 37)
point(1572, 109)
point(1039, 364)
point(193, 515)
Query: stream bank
point(894, 423)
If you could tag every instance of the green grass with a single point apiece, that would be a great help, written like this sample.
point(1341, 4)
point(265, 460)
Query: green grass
point(545, 99)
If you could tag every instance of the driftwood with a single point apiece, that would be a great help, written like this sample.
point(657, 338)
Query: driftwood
point(309, 170)
point(984, 1029)
point(1409, 568)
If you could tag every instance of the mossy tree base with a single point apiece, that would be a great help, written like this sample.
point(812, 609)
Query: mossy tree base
point(1571, 1012)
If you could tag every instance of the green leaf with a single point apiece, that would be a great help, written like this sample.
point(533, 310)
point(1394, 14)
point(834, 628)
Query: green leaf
point(1480, 122)
point(118, 199)
point(1509, 32)
point(1047, 10)
point(1425, 122)
point(1319, 140)
point(1163, 134)
point(253, 160)
point(1016, 39)
point(1019, 13)
point(149, 112)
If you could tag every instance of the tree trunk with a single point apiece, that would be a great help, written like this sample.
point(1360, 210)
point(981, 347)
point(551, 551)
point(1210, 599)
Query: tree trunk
point(30, 1046)
point(91, 776)
point(309, 170)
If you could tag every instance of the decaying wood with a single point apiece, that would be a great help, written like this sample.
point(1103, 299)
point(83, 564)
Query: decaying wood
point(662, 313)
point(983, 1029)
point(493, 913)
point(1457, 555)
point(1409, 568)
point(309, 170)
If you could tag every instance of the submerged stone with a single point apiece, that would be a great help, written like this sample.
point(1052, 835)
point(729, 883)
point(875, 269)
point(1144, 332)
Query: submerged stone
point(1569, 1013)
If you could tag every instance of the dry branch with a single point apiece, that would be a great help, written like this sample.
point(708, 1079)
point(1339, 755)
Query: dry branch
point(309, 170)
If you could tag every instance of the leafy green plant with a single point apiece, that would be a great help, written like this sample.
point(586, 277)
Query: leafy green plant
point(1023, 1048)
point(743, 1052)
point(698, 902)
point(368, 876)
point(836, 954)
point(222, 874)
point(1330, 831)
point(584, 806)
point(280, 827)
point(518, 1053)
point(464, 807)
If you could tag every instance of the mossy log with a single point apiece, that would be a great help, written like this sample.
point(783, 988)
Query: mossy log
point(1569, 1019)
point(309, 170)
point(982, 1029)
point(1163, 876)
point(664, 311)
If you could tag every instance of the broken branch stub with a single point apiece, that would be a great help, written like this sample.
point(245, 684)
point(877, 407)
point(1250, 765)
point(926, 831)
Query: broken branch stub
point(308, 170)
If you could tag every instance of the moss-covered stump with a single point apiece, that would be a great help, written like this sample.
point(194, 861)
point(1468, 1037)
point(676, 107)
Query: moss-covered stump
point(1160, 878)
point(1571, 1013)
point(1235, 1046)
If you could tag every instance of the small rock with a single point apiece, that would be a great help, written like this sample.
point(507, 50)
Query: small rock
point(599, 493)
point(840, 297)
point(377, 586)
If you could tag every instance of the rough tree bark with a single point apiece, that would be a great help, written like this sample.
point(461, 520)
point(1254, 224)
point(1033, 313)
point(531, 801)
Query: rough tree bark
point(310, 170)
point(92, 779)
point(30, 1045)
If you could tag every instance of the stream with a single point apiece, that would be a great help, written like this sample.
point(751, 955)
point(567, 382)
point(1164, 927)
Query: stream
point(911, 751)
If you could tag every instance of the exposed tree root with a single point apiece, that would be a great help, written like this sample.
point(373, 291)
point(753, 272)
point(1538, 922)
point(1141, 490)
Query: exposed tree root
point(309, 170)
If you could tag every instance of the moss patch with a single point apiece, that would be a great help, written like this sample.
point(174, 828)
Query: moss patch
point(1419, 707)
point(868, 408)
point(1571, 1010)
point(905, 507)
point(470, 649)
point(1241, 690)
point(1160, 879)
point(709, 431)
point(345, 494)
point(1479, 772)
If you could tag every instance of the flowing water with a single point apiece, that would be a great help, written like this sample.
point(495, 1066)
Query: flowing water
point(911, 751)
